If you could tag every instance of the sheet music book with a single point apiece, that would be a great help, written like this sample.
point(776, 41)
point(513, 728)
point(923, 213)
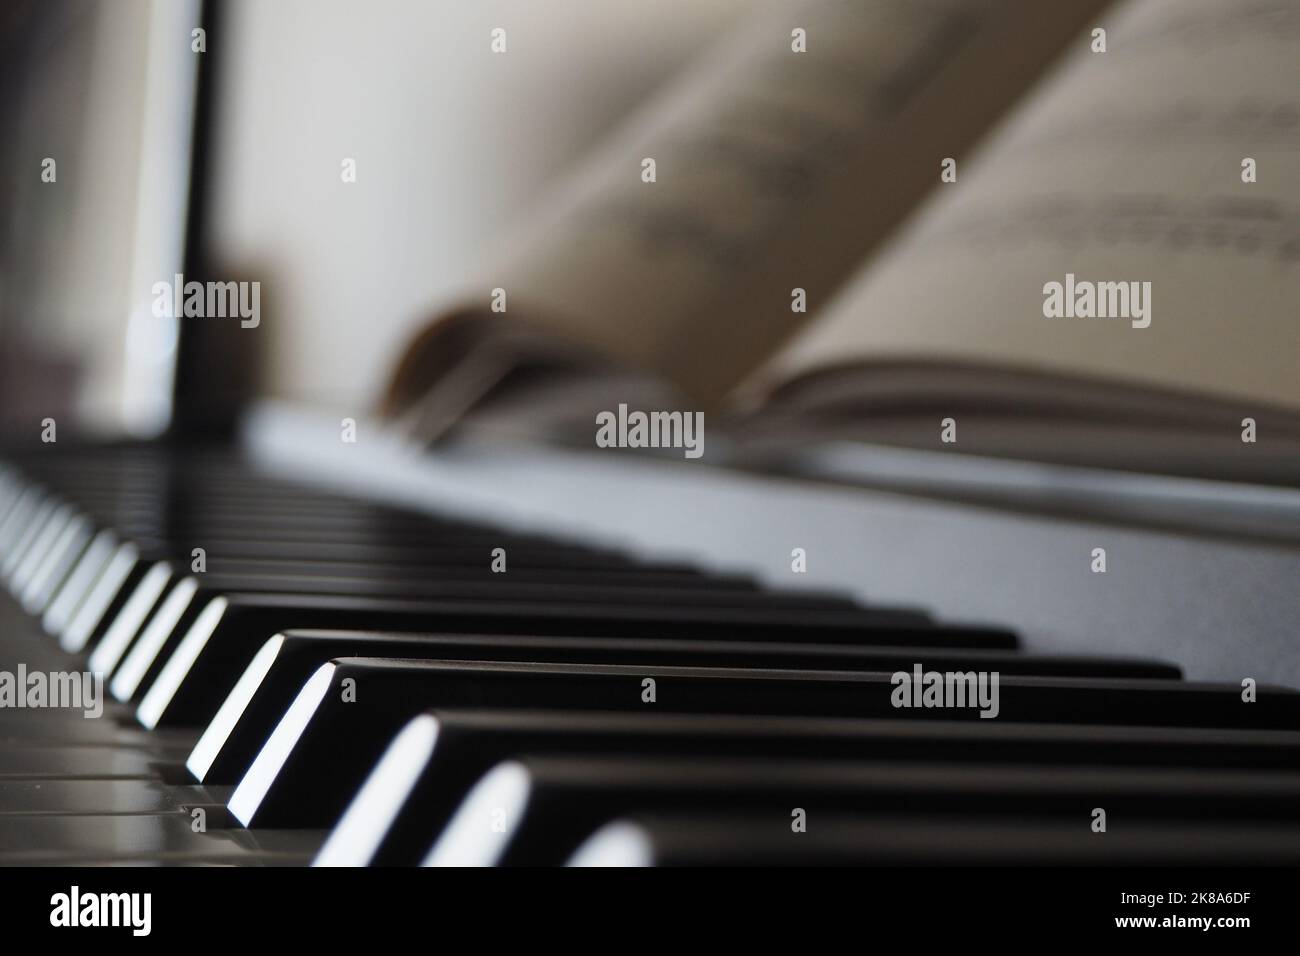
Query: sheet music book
point(1065, 231)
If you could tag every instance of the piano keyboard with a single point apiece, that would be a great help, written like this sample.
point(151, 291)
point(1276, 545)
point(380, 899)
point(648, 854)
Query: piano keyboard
point(292, 676)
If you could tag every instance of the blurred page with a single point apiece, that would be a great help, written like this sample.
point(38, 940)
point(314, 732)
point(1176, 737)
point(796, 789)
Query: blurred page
point(1126, 166)
point(773, 165)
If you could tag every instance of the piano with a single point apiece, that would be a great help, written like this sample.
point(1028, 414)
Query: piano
point(291, 672)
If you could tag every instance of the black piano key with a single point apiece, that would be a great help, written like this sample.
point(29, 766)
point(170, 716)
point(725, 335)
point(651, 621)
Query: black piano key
point(135, 656)
point(589, 589)
point(321, 750)
point(15, 513)
point(25, 533)
point(255, 531)
point(243, 721)
point(239, 726)
point(427, 768)
point(42, 543)
point(32, 500)
point(266, 540)
point(734, 839)
point(477, 569)
point(128, 567)
point(120, 582)
point(57, 562)
point(263, 543)
point(95, 626)
point(219, 522)
point(228, 632)
point(534, 811)
point(143, 604)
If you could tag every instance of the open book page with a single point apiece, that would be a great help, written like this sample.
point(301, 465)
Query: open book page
point(773, 165)
point(1169, 165)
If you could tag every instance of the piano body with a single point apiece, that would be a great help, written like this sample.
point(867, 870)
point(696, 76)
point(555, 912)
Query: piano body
point(501, 655)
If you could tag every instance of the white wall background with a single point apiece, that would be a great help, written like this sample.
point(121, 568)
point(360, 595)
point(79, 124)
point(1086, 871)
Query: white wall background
point(451, 142)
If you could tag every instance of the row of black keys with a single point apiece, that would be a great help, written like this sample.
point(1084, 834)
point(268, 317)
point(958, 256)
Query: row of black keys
point(580, 705)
